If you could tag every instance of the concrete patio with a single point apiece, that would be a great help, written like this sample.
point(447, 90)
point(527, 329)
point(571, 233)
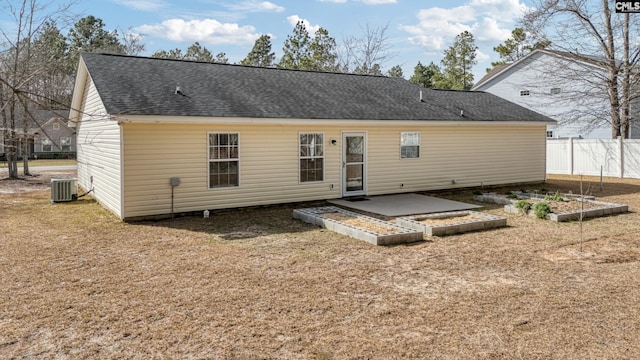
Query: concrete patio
point(403, 204)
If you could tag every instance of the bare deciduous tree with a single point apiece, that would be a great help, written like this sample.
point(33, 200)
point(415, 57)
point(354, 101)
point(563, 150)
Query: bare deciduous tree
point(593, 34)
point(20, 74)
point(367, 53)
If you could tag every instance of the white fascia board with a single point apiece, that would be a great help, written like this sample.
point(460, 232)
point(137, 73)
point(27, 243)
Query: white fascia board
point(325, 122)
point(78, 94)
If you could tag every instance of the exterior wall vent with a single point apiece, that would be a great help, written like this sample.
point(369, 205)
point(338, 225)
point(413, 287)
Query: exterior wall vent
point(64, 190)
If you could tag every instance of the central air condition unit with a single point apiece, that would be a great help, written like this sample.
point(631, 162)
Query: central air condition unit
point(64, 190)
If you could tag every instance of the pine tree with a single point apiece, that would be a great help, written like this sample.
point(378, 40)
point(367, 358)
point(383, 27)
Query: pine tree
point(517, 47)
point(296, 51)
point(323, 52)
point(89, 35)
point(261, 54)
point(458, 62)
point(395, 72)
point(425, 75)
point(197, 52)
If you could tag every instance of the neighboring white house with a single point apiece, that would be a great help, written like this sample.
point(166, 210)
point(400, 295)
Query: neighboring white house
point(157, 136)
point(562, 87)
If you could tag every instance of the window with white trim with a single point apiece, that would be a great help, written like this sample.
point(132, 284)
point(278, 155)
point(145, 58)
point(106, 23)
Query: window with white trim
point(224, 160)
point(46, 145)
point(549, 133)
point(311, 152)
point(524, 93)
point(409, 145)
point(65, 144)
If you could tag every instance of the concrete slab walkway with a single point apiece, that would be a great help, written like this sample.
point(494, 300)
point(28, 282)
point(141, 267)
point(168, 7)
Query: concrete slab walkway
point(404, 204)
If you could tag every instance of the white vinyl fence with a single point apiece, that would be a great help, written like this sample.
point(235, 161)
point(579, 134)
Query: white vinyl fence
point(614, 157)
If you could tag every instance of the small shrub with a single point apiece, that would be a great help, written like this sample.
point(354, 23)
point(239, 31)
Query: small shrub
point(512, 196)
point(541, 209)
point(554, 197)
point(523, 205)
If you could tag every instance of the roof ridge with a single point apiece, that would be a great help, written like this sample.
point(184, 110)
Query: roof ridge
point(235, 65)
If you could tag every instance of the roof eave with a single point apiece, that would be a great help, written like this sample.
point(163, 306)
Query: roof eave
point(78, 93)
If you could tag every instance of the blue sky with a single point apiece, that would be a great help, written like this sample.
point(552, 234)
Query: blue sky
point(419, 30)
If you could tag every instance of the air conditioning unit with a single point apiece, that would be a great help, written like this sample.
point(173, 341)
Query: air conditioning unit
point(64, 190)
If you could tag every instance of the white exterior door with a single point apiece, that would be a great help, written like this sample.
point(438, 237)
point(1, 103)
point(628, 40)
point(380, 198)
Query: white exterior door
point(354, 171)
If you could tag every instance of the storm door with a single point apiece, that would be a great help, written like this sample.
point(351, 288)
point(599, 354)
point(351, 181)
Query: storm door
point(354, 174)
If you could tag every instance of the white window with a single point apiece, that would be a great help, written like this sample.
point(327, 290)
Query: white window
point(524, 93)
point(549, 133)
point(65, 144)
point(555, 91)
point(46, 145)
point(409, 145)
point(56, 126)
point(224, 160)
point(311, 157)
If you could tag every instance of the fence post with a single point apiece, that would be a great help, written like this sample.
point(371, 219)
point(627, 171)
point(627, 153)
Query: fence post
point(621, 155)
point(570, 153)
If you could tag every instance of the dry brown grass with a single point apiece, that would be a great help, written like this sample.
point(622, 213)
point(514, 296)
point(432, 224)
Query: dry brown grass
point(251, 284)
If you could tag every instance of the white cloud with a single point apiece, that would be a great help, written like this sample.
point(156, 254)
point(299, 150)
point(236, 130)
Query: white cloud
point(208, 31)
point(481, 56)
point(294, 19)
point(335, 1)
point(255, 6)
point(487, 20)
point(144, 5)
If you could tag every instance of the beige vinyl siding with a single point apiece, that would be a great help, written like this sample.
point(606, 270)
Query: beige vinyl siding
point(98, 151)
point(470, 155)
point(269, 170)
point(269, 163)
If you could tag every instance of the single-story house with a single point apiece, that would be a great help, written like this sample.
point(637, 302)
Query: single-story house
point(159, 136)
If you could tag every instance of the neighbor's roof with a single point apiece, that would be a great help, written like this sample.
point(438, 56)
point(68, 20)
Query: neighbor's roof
point(147, 86)
point(587, 60)
point(39, 117)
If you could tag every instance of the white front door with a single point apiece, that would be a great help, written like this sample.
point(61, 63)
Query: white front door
point(354, 156)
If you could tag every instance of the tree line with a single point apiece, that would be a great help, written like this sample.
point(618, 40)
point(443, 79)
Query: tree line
point(38, 62)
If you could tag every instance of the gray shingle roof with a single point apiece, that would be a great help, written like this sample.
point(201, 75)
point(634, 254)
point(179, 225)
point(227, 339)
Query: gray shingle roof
point(147, 86)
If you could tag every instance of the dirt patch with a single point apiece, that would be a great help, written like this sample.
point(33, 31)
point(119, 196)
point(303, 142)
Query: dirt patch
point(75, 282)
point(38, 180)
point(359, 223)
point(449, 220)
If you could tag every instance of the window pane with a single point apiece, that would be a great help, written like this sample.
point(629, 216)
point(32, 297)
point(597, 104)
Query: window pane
point(408, 139)
point(233, 180)
point(410, 152)
point(233, 167)
point(224, 153)
point(233, 139)
point(311, 152)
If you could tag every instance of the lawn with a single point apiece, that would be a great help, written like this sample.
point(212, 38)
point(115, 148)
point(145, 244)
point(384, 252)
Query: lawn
point(75, 282)
point(47, 162)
